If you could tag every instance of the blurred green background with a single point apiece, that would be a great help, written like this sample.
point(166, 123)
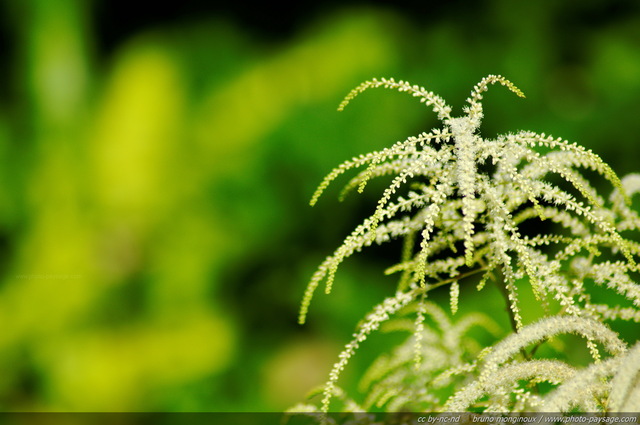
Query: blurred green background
point(156, 164)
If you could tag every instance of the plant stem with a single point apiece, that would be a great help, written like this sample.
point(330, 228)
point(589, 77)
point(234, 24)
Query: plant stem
point(505, 293)
point(456, 278)
point(497, 277)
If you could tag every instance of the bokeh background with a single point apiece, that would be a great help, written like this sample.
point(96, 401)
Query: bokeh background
point(156, 162)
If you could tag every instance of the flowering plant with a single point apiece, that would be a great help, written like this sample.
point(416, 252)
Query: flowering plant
point(461, 202)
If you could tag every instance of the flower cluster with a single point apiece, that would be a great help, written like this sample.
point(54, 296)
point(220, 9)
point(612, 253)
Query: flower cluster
point(461, 203)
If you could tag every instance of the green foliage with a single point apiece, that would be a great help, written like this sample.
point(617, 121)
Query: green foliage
point(152, 170)
point(147, 210)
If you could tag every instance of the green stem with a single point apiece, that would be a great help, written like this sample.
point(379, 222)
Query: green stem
point(505, 293)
